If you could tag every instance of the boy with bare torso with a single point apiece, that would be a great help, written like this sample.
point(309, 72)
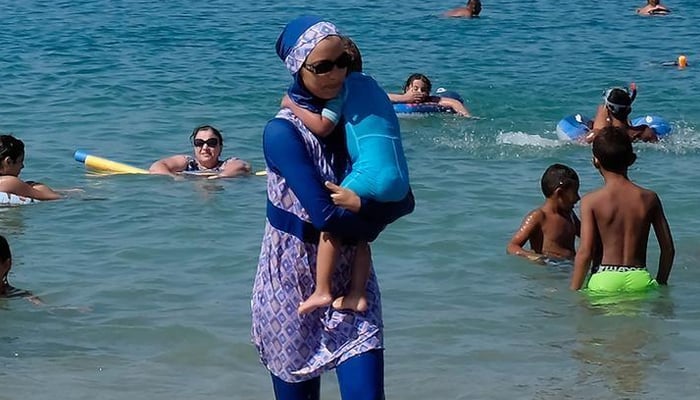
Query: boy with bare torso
point(552, 228)
point(615, 224)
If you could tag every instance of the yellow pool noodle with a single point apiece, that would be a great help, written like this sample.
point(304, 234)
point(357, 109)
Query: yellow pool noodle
point(100, 164)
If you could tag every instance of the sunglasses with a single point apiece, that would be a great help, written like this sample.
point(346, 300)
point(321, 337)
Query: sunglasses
point(326, 66)
point(211, 142)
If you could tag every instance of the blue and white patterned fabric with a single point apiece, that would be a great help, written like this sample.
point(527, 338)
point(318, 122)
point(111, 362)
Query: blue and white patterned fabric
point(300, 347)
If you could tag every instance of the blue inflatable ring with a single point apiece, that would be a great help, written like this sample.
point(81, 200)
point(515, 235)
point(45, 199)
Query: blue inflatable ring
point(428, 108)
point(574, 127)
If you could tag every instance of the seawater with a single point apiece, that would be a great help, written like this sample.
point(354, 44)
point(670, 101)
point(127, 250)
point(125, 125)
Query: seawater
point(146, 281)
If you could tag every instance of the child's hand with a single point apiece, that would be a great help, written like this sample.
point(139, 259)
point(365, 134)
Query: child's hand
point(537, 258)
point(416, 97)
point(343, 197)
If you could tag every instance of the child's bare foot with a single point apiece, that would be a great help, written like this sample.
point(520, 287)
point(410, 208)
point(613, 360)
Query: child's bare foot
point(353, 301)
point(315, 301)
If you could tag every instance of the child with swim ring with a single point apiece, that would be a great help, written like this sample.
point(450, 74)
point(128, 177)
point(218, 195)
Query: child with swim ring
point(11, 164)
point(552, 228)
point(379, 169)
point(615, 224)
point(615, 111)
point(417, 90)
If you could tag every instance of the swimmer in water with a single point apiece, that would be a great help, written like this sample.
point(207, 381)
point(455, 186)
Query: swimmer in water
point(207, 143)
point(681, 62)
point(11, 164)
point(471, 10)
point(615, 111)
point(615, 223)
point(7, 290)
point(417, 90)
point(653, 7)
point(552, 228)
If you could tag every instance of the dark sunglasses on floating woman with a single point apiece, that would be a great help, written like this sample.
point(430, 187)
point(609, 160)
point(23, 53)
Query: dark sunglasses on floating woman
point(326, 66)
point(211, 142)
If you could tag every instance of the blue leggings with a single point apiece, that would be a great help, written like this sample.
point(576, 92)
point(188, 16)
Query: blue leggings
point(359, 378)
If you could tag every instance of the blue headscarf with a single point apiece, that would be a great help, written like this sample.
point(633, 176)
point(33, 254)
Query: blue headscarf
point(298, 38)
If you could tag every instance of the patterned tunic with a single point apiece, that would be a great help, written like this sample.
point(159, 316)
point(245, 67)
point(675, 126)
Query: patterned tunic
point(300, 347)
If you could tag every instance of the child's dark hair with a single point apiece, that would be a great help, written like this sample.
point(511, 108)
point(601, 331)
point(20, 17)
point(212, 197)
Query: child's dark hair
point(619, 102)
point(351, 48)
point(418, 77)
point(206, 128)
point(11, 147)
point(612, 147)
point(5, 252)
point(558, 176)
point(477, 6)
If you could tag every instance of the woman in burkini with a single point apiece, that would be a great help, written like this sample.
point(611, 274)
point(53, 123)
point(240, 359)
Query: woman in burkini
point(11, 164)
point(295, 348)
point(417, 90)
point(207, 144)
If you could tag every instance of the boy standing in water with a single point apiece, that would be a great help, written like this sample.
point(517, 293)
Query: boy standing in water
point(379, 169)
point(552, 228)
point(616, 220)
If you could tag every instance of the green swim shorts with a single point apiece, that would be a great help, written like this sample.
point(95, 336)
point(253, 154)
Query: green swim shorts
point(617, 278)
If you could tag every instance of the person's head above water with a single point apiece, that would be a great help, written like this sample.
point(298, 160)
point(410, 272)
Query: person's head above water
point(558, 176)
point(208, 143)
point(11, 155)
point(474, 6)
point(313, 51)
point(612, 150)
point(5, 261)
point(418, 83)
point(653, 2)
point(619, 102)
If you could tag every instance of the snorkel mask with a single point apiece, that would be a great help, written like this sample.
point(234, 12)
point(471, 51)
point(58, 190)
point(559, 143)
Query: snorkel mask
point(617, 108)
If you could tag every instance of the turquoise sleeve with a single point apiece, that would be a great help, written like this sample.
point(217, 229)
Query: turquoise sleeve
point(333, 109)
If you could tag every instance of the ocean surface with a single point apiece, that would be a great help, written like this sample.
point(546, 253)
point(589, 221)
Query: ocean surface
point(146, 281)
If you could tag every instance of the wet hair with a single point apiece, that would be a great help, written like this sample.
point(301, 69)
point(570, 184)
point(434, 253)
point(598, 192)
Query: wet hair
point(11, 147)
point(619, 102)
point(653, 2)
point(5, 252)
point(207, 128)
point(351, 48)
point(612, 147)
point(558, 176)
point(418, 77)
point(477, 6)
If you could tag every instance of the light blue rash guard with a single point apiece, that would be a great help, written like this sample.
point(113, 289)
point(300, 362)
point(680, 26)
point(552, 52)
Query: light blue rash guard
point(379, 169)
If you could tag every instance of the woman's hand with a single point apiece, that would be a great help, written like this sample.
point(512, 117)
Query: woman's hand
point(345, 198)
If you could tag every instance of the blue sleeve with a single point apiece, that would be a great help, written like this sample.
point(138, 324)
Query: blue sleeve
point(286, 155)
